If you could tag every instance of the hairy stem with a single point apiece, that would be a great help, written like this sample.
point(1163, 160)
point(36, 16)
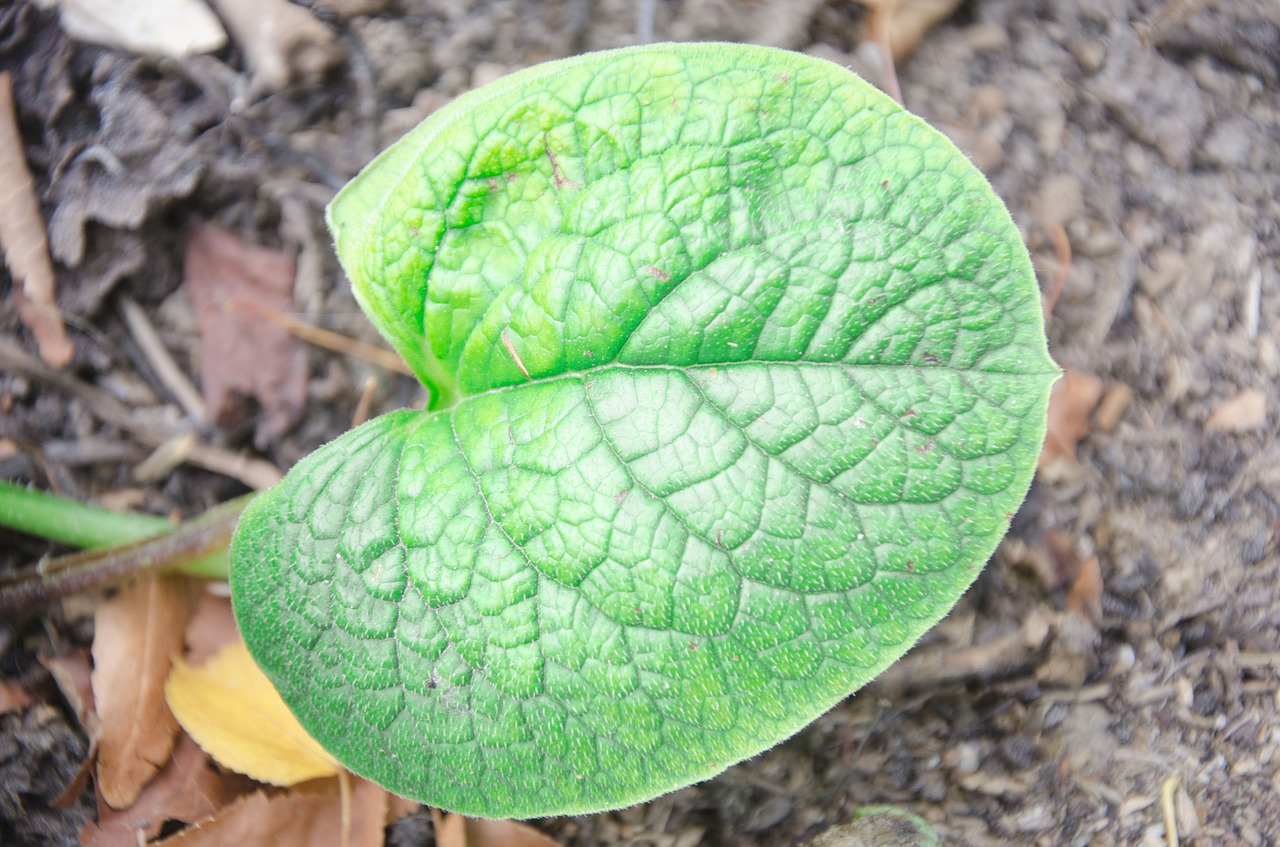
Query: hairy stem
point(197, 547)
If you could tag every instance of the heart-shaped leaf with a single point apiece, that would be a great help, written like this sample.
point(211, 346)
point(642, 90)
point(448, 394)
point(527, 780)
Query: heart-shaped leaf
point(738, 375)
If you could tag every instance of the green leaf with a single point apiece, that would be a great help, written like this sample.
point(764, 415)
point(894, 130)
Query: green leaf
point(786, 384)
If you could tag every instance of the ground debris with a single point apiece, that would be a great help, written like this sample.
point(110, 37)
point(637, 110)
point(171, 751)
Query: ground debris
point(25, 242)
point(241, 353)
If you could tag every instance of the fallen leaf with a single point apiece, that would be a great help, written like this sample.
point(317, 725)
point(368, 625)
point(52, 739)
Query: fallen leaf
point(13, 697)
point(400, 807)
point(282, 41)
point(1070, 403)
point(186, 790)
point(1246, 411)
point(212, 627)
point(453, 830)
point(231, 709)
point(26, 243)
point(172, 28)
point(238, 352)
point(135, 635)
point(905, 22)
point(483, 833)
point(308, 816)
point(72, 673)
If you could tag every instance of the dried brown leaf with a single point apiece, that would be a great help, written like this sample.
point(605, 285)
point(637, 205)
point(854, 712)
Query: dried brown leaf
point(1070, 403)
point(453, 830)
point(239, 352)
point(136, 634)
point(400, 807)
point(212, 627)
point(13, 697)
point(72, 672)
point(188, 789)
point(1246, 411)
point(25, 241)
point(306, 816)
point(482, 833)
point(906, 22)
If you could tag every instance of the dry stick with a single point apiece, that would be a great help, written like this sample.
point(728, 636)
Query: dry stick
point(1168, 801)
point(167, 370)
point(365, 403)
point(327, 339)
point(255, 473)
point(66, 575)
point(344, 799)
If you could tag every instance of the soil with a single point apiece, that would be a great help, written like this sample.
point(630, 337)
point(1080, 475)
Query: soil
point(1125, 640)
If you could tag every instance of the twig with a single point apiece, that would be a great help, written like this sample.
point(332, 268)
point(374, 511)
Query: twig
point(644, 21)
point(255, 473)
point(1253, 304)
point(101, 405)
point(258, 474)
point(1003, 657)
point(164, 458)
point(1168, 797)
point(324, 338)
point(367, 393)
point(344, 799)
point(167, 370)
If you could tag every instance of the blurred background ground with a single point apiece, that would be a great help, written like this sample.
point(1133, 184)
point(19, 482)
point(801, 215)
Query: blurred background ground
point(1128, 631)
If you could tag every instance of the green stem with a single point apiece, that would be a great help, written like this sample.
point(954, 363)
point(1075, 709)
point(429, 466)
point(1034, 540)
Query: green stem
point(134, 544)
point(72, 522)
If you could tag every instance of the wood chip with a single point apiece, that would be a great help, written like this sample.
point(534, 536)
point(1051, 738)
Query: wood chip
point(1244, 412)
point(173, 28)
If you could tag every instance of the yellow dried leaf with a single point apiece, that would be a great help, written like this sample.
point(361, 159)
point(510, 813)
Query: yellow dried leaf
point(232, 711)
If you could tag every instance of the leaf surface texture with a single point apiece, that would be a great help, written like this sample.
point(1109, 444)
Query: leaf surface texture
point(738, 376)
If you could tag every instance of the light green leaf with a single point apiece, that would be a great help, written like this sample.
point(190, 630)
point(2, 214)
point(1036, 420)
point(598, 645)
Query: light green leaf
point(786, 385)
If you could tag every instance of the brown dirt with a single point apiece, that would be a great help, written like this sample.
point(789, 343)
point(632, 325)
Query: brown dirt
point(1147, 133)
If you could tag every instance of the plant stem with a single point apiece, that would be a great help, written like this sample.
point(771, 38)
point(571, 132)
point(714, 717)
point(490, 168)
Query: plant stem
point(197, 547)
point(70, 521)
